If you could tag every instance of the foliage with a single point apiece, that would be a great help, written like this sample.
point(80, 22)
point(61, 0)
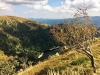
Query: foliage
point(79, 61)
point(77, 34)
point(24, 36)
point(80, 30)
point(7, 64)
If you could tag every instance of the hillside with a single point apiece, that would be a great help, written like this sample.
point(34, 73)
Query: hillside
point(21, 40)
point(68, 63)
point(23, 31)
point(8, 20)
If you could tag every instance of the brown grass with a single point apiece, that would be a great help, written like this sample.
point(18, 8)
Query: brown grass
point(9, 18)
point(63, 61)
point(3, 56)
point(14, 19)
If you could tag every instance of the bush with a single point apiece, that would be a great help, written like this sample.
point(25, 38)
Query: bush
point(8, 67)
point(79, 61)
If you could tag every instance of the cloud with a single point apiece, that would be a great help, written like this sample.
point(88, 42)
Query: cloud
point(71, 6)
point(21, 2)
point(48, 8)
point(89, 4)
point(4, 6)
point(67, 5)
point(65, 8)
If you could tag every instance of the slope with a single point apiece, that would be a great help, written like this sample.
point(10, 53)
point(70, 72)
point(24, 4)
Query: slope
point(68, 63)
point(21, 35)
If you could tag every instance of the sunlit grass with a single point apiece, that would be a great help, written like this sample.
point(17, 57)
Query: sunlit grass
point(61, 64)
point(3, 57)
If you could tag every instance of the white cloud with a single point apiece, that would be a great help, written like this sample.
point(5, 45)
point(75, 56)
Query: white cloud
point(37, 7)
point(4, 6)
point(19, 2)
point(48, 8)
point(89, 4)
point(66, 8)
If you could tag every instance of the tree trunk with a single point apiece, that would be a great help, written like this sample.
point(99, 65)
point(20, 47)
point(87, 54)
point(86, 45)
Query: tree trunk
point(91, 58)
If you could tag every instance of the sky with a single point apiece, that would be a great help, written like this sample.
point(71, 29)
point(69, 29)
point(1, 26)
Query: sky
point(51, 9)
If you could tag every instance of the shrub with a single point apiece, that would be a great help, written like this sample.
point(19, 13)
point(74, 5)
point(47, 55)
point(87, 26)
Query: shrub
point(8, 67)
point(79, 61)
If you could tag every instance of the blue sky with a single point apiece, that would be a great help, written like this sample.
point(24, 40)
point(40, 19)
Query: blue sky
point(55, 3)
point(52, 9)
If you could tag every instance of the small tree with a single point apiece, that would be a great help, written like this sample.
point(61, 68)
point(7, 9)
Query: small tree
point(77, 35)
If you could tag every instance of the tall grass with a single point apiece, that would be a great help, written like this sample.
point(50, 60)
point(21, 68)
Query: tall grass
point(76, 71)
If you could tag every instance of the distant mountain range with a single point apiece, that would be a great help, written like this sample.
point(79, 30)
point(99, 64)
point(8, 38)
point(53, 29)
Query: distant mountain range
point(95, 19)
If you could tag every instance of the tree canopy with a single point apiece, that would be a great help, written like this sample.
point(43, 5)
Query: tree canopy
point(78, 33)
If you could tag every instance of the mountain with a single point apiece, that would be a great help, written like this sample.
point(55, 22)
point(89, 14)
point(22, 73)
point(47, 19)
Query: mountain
point(25, 36)
point(21, 41)
point(95, 19)
point(48, 21)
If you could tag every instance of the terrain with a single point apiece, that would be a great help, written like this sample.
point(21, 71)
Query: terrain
point(68, 63)
point(22, 33)
point(21, 42)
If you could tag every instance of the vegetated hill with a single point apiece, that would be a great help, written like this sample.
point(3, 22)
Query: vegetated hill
point(68, 63)
point(24, 37)
point(21, 41)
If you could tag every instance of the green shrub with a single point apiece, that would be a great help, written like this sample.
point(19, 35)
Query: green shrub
point(79, 61)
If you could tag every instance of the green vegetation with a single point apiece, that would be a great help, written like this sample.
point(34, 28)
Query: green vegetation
point(7, 64)
point(26, 36)
point(79, 61)
point(23, 38)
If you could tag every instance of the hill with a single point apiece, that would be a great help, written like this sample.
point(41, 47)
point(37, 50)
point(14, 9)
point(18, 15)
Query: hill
point(21, 33)
point(23, 39)
point(68, 63)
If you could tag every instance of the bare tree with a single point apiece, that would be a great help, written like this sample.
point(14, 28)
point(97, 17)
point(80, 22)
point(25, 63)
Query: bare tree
point(78, 35)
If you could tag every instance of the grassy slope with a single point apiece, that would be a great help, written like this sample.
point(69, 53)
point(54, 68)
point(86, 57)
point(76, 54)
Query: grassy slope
point(63, 61)
point(11, 19)
point(14, 18)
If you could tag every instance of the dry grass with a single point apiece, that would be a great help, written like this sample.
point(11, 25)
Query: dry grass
point(14, 19)
point(62, 63)
point(10, 18)
point(3, 56)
